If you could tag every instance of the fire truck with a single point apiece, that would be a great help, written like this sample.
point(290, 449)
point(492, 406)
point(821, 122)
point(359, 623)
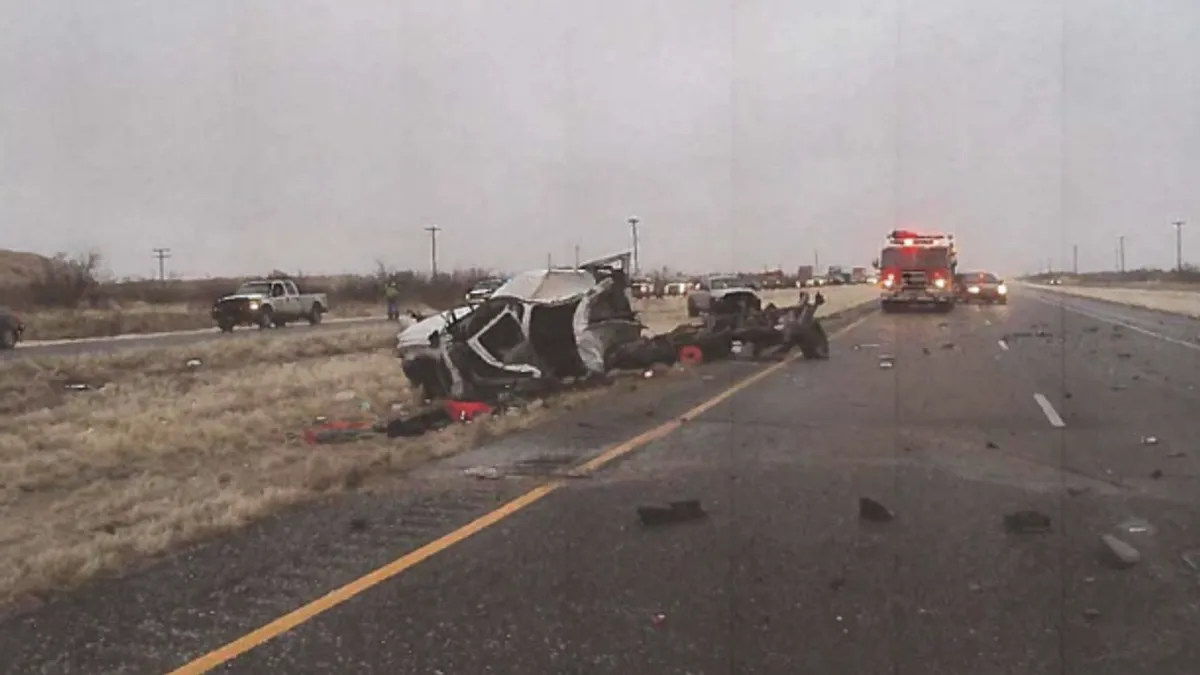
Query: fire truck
point(917, 269)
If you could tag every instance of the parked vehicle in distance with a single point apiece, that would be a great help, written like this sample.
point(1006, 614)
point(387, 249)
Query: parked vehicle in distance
point(483, 289)
point(268, 303)
point(713, 288)
point(642, 288)
point(677, 288)
point(11, 329)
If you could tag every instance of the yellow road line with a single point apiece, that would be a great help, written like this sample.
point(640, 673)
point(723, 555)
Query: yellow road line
point(337, 596)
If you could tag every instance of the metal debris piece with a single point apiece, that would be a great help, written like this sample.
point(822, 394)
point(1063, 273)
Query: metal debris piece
point(925, 351)
point(358, 524)
point(1156, 474)
point(1149, 440)
point(1124, 355)
point(483, 472)
point(992, 446)
point(1092, 329)
point(1027, 522)
point(1091, 614)
point(193, 364)
point(1075, 490)
point(947, 345)
point(869, 509)
point(887, 361)
point(674, 513)
point(1118, 554)
point(77, 386)
point(1136, 526)
point(1191, 558)
point(1176, 454)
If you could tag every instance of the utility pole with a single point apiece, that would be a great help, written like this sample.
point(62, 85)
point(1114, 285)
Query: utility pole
point(576, 256)
point(637, 265)
point(816, 261)
point(549, 262)
point(1075, 259)
point(433, 231)
point(1178, 245)
point(162, 254)
point(1121, 253)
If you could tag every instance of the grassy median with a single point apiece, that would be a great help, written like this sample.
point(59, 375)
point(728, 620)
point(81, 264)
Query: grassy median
point(159, 450)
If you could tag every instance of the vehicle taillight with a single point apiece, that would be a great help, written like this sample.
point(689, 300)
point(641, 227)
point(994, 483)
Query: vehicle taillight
point(888, 278)
point(940, 278)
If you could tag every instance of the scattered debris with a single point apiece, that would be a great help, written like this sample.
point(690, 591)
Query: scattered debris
point(1191, 558)
point(1149, 440)
point(1077, 490)
point(869, 509)
point(1118, 554)
point(675, 512)
point(1091, 614)
point(1156, 474)
point(1124, 355)
point(887, 361)
point(1027, 522)
point(992, 446)
point(1119, 387)
point(193, 364)
point(1176, 454)
point(339, 431)
point(1136, 526)
point(947, 345)
point(430, 418)
point(358, 524)
point(837, 583)
point(345, 396)
point(483, 472)
point(77, 386)
point(925, 351)
point(1092, 329)
point(658, 619)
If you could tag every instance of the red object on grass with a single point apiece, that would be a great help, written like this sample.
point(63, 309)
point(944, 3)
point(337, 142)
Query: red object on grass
point(465, 411)
point(691, 355)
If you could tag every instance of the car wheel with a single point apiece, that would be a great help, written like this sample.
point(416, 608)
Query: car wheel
point(225, 326)
point(265, 320)
point(8, 339)
point(692, 311)
point(314, 317)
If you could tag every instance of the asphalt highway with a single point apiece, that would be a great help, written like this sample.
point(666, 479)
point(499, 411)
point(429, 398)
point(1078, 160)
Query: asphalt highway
point(1045, 404)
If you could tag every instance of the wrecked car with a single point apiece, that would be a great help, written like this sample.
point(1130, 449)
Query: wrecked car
point(537, 329)
point(417, 345)
point(737, 322)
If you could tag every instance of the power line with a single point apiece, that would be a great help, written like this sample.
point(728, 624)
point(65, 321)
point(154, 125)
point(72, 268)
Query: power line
point(162, 254)
point(433, 230)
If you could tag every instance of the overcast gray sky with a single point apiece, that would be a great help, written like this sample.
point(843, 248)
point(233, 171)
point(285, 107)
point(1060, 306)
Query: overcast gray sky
point(322, 135)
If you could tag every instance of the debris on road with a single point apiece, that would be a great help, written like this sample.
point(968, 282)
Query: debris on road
point(871, 510)
point(992, 446)
point(1075, 491)
point(339, 431)
point(1118, 554)
point(1091, 614)
point(1136, 526)
point(887, 361)
point(483, 472)
point(1156, 474)
point(947, 345)
point(1176, 454)
point(674, 513)
point(1124, 355)
point(1149, 440)
point(1027, 522)
point(193, 364)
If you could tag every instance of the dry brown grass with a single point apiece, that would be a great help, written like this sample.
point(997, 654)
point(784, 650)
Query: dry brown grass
point(159, 454)
point(64, 324)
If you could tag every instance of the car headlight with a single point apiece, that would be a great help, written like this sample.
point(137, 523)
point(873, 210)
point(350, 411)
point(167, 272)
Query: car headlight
point(940, 283)
point(1003, 289)
point(973, 289)
point(253, 306)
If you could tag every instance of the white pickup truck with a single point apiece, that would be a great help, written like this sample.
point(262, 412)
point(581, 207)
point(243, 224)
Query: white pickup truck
point(268, 303)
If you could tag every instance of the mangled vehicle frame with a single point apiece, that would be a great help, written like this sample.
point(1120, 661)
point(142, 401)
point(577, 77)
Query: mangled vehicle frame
point(537, 329)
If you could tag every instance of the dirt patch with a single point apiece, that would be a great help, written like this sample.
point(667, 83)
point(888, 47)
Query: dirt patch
point(1185, 302)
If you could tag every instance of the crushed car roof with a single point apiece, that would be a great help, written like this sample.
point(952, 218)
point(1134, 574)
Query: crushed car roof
point(547, 286)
